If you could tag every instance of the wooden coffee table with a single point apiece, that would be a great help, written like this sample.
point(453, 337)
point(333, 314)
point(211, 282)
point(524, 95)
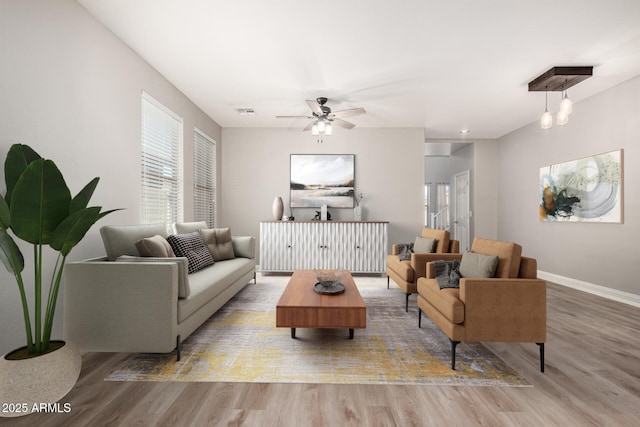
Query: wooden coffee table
point(301, 307)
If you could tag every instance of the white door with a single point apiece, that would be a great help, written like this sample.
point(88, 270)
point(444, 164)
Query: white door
point(461, 211)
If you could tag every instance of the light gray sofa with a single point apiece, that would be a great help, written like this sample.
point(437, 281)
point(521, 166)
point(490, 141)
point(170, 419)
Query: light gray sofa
point(127, 303)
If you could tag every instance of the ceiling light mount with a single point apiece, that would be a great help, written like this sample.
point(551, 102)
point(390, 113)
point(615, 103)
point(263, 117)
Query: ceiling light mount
point(558, 79)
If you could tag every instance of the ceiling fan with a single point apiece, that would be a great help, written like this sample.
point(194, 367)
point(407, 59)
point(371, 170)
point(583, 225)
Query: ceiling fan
point(324, 119)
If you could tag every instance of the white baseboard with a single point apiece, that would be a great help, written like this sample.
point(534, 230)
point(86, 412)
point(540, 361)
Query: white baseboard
point(612, 294)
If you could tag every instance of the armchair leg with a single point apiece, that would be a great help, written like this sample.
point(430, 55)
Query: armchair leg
point(419, 318)
point(387, 282)
point(406, 305)
point(453, 353)
point(541, 345)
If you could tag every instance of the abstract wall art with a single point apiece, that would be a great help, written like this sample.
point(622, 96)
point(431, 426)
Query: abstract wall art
point(583, 190)
point(322, 179)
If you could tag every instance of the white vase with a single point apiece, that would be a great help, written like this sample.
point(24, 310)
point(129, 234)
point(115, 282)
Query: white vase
point(28, 383)
point(357, 213)
point(278, 208)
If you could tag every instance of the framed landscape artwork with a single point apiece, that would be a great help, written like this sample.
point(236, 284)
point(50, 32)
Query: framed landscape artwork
point(322, 179)
point(583, 190)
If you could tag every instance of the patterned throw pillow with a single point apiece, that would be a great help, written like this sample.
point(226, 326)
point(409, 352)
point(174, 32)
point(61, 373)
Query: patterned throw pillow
point(192, 247)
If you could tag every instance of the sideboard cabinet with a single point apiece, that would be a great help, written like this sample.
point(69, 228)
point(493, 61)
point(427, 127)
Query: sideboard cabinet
point(357, 246)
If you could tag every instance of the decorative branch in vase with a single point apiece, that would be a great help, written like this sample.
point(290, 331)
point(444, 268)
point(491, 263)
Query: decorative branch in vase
point(357, 210)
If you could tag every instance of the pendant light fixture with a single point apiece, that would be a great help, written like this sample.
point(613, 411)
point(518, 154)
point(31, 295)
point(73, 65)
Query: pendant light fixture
point(559, 79)
point(546, 121)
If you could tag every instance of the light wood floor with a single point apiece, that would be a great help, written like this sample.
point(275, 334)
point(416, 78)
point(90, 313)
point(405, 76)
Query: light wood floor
point(592, 378)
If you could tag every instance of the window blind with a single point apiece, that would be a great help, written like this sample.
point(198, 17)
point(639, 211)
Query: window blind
point(161, 175)
point(204, 192)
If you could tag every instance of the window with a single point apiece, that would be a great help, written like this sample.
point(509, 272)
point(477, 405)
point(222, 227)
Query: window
point(204, 178)
point(161, 175)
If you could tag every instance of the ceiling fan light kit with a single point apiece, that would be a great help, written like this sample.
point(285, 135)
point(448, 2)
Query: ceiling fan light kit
point(559, 79)
point(324, 120)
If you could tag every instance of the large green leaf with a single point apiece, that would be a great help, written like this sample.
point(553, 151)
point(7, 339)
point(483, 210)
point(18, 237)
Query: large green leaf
point(5, 214)
point(18, 158)
point(10, 253)
point(81, 200)
point(73, 228)
point(40, 202)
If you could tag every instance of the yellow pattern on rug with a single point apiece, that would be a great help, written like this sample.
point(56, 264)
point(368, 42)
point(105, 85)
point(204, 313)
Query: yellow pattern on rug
point(240, 343)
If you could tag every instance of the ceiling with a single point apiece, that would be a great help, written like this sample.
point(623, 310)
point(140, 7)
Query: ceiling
point(439, 65)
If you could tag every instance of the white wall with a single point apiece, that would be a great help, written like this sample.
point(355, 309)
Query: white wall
point(71, 90)
point(389, 172)
point(584, 253)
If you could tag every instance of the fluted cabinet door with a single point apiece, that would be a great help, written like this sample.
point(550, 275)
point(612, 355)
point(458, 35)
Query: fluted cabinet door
point(370, 247)
point(339, 246)
point(307, 241)
point(276, 249)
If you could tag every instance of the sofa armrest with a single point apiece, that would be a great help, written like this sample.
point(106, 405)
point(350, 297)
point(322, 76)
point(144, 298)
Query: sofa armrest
point(121, 306)
point(504, 309)
point(244, 246)
point(394, 249)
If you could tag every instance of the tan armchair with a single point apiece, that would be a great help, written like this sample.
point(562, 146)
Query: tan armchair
point(406, 273)
point(509, 307)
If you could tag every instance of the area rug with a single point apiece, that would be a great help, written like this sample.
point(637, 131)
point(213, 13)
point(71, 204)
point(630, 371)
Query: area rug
point(240, 343)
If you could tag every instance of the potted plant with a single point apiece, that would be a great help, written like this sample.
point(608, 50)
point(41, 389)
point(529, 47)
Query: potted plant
point(39, 210)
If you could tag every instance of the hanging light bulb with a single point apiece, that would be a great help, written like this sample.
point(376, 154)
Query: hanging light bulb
point(321, 126)
point(314, 130)
point(546, 121)
point(328, 129)
point(562, 118)
point(566, 105)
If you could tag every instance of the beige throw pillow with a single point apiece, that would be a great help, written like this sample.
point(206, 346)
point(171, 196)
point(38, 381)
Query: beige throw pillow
point(156, 246)
point(218, 240)
point(423, 245)
point(478, 265)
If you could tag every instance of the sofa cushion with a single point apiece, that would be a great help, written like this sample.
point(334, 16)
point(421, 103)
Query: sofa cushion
point(478, 265)
point(402, 268)
point(207, 283)
point(156, 246)
point(424, 245)
point(446, 301)
point(442, 238)
point(192, 247)
point(508, 254)
point(121, 239)
point(218, 241)
point(188, 227)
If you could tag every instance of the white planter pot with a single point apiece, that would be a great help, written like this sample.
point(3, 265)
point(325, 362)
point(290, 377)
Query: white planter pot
point(28, 384)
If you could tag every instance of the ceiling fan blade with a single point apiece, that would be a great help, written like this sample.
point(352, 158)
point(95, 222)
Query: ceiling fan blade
point(348, 113)
point(342, 124)
point(295, 117)
point(309, 126)
point(315, 107)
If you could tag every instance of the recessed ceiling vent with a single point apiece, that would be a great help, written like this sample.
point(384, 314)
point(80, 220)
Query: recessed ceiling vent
point(246, 111)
